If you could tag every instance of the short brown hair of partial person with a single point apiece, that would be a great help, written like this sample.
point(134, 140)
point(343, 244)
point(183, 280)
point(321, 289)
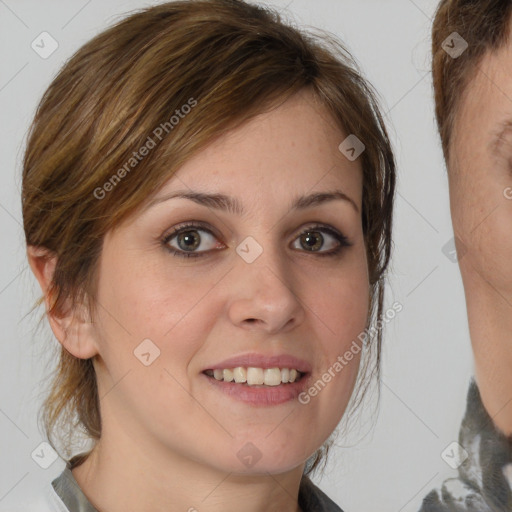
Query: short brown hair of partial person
point(484, 26)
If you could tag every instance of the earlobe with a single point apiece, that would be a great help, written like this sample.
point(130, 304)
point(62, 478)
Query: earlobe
point(71, 326)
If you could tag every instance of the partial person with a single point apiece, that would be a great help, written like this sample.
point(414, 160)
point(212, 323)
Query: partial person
point(471, 68)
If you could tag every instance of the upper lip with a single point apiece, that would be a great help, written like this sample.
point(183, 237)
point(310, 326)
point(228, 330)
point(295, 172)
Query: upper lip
point(263, 361)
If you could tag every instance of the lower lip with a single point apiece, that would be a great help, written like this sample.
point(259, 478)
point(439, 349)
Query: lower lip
point(260, 395)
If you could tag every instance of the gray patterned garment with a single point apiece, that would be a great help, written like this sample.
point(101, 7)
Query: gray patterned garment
point(485, 477)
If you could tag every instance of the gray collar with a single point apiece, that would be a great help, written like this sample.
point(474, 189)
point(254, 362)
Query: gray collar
point(70, 493)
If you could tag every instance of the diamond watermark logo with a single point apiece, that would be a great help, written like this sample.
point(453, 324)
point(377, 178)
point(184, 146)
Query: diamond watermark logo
point(44, 455)
point(44, 45)
point(249, 455)
point(454, 455)
point(454, 249)
point(146, 352)
point(249, 249)
point(454, 45)
point(352, 147)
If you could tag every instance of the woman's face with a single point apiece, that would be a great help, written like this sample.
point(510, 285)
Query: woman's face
point(255, 291)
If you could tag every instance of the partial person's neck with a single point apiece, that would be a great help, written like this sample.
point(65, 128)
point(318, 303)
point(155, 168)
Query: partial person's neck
point(490, 325)
point(125, 474)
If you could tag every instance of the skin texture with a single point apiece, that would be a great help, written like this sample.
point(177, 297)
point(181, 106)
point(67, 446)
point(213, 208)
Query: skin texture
point(480, 177)
point(170, 442)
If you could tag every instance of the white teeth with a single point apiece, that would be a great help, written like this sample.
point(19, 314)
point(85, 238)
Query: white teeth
point(272, 377)
point(240, 374)
point(228, 375)
point(254, 376)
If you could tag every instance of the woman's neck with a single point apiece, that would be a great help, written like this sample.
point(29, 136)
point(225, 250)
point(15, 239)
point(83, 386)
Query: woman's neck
point(124, 474)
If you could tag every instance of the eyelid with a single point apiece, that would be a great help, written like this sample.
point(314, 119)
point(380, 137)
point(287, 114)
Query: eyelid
point(190, 224)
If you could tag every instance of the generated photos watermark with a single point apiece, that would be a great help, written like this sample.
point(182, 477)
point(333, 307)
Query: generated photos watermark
point(343, 360)
point(156, 136)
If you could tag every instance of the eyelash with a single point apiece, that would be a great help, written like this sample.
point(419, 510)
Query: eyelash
point(342, 239)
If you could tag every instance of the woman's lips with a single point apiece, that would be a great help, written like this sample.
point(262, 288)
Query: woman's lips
point(263, 361)
point(260, 395)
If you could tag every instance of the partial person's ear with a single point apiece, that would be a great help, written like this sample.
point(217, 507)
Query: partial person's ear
point(72, 326)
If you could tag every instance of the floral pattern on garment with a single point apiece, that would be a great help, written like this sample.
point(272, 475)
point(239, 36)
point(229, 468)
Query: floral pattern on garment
point(484, 483)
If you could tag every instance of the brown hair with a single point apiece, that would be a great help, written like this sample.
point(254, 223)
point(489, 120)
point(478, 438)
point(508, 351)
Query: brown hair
point(484, 25)
point(230, 60)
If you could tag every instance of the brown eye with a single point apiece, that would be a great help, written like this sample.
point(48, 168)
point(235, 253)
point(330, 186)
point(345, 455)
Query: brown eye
point(185, 240)
point(188, 240)
point(312, 240)
point(315, 238)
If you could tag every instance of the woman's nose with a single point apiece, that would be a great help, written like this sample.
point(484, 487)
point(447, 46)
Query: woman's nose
point(265, 294)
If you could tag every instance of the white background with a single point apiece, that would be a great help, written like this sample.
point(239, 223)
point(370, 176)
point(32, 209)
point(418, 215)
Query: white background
point(426, 358)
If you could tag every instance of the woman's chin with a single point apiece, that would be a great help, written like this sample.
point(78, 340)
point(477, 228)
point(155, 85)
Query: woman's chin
point(253, 459)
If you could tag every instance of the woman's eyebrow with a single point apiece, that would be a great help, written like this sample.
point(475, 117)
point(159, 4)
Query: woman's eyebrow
point(233, 205)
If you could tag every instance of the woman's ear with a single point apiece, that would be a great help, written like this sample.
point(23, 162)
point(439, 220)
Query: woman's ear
point(71, 325)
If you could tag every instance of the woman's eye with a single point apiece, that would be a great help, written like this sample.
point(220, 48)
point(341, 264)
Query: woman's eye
point(187, 241)
point(314, 240)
